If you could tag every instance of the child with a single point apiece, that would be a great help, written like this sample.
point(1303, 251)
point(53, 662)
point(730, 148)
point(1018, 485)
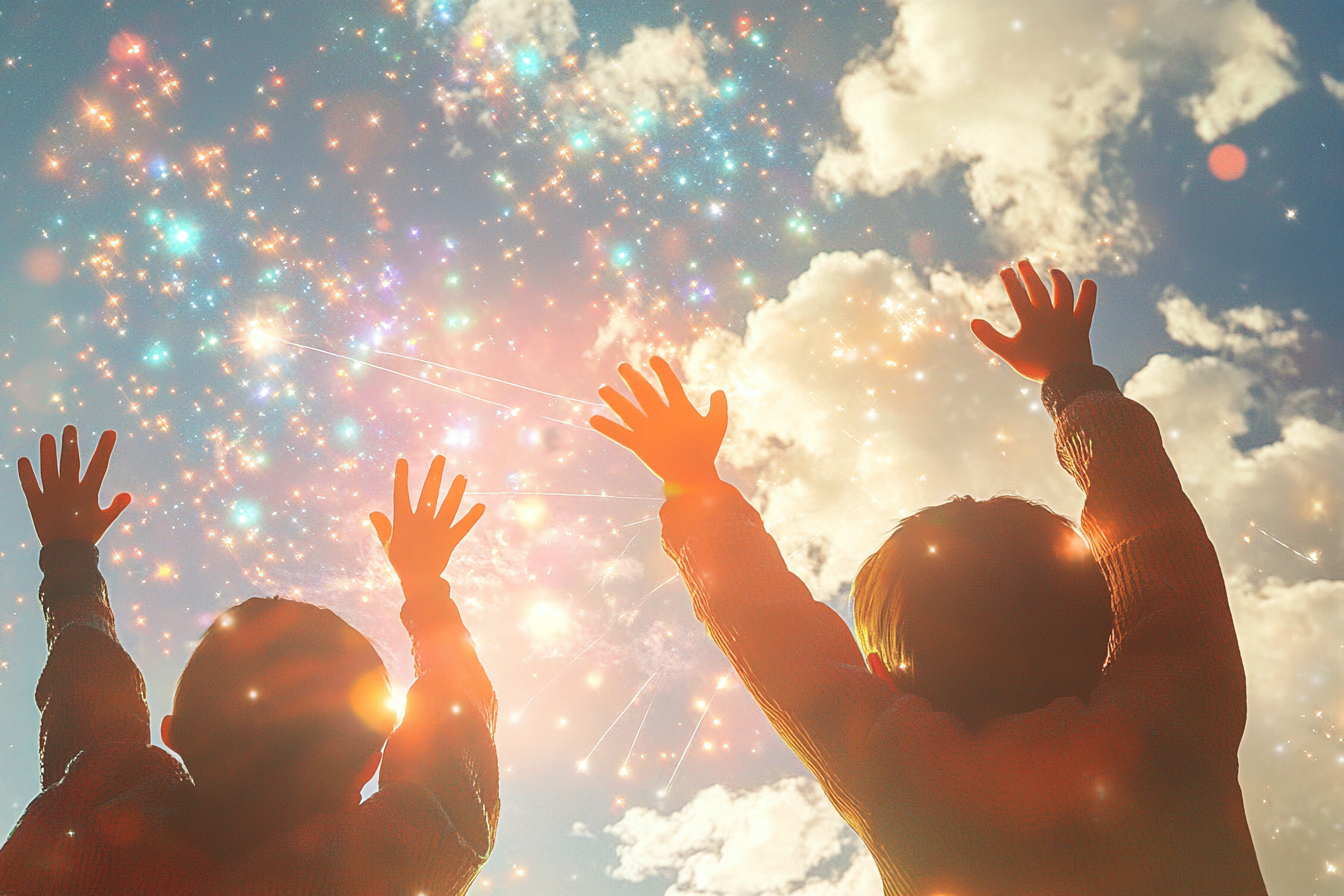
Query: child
point(987, 744)
point(280, 719)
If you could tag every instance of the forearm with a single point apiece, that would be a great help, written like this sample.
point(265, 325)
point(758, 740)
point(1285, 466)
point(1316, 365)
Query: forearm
point(90, 691)
point(795, 654)
point(446, 739)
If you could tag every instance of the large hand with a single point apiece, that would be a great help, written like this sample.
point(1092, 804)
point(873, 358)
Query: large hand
point(1053, 335)
point(673, 439)
point(64, 507)
point(418, 540)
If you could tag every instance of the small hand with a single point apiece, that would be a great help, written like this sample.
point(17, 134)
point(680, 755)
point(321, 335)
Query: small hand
point(418, 540)
point(672, 439)
point(1053, 335)
point(64, 507)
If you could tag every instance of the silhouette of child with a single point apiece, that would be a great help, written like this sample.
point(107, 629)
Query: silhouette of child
point(982, 740)
point(281, 716)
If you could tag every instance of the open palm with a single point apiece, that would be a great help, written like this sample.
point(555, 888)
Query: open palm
point(1054, 334)
point(64, 506)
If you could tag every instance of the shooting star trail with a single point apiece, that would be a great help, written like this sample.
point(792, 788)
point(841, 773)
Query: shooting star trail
point(723, 682)
point(625, 765)
point(1312, 558)
point(406, 376)
point(583, 763)
point(595, 404)
point(518, 713)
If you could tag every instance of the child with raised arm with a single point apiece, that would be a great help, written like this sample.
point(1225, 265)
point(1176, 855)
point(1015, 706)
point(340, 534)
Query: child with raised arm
point(281, 716)
point(981, 737)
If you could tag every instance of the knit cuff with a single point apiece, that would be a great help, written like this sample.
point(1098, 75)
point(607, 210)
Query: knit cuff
point(68, 557)
point(1067, 384)
point(699, 509)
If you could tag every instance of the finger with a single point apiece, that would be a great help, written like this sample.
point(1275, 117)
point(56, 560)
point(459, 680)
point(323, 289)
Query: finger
point(448, 510)
point(1063, 290)
point(47, 454)
point(1087, 304)
point(382, 527)
point(671, 385)
point(718, 413)
point(401, 492)
point(613, 430)
point(28, 479)
point(119, 503)
point(647, 396)
point(70, 454)
point(469, 519)
point(630, 415)
point(993, 340)
point(93, 477)
point(1017, 293)
point(1040, 296)
point(429, 492)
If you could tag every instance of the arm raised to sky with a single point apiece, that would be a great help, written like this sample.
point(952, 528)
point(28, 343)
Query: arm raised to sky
point(795, 655)
point(90, 693)
point(445, 744)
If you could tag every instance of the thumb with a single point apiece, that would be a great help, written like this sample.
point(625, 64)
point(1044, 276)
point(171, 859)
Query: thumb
point(119, 503)
point(993, 340)
point(382, 526)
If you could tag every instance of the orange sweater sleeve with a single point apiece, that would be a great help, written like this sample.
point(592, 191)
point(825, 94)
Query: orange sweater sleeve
point(795, 654)
point(90, 693)
point(432, 824)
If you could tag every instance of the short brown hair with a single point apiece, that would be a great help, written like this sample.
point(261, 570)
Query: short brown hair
point(986, 608)
point(281, 693)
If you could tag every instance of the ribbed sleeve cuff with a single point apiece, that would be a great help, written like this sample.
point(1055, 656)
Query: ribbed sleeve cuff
point(1064, 386)
point(68, 558)
point(690, 512)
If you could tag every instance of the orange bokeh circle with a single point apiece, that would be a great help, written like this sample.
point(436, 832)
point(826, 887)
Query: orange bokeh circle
point(1227, 161)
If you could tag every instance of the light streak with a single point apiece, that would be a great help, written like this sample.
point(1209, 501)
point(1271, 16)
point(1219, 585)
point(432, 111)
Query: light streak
point(625, 765)
point(583, 763)
point(1313, 560)
point(416, 379)
point(694, 732)
point(518, 713)
point(490, 378)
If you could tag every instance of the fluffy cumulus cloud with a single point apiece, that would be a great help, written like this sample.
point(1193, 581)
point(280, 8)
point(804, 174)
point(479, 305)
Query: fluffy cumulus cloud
point(1333, 86)
point(550, 24)
point(659, 69)
point(1031, 99)
point(782, 838)
point(859, 397)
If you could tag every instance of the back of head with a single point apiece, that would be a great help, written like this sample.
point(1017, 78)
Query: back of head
point(279, 707)
point(986, 608)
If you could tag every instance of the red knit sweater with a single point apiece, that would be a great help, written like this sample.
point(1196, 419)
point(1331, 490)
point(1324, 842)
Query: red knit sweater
point(1133, 792)
point(110, 817)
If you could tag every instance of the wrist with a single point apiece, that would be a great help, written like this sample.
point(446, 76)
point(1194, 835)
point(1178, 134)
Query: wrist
point(674, 486)
point(418, 582)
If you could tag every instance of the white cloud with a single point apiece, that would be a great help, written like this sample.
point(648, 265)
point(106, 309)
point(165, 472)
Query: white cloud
point(1333, 87)
point(861, 397)
point(1248, 331)
point(1252, 63)
point(1031, 99)
point(659, 68)
point(550, 24)
point(783, 838)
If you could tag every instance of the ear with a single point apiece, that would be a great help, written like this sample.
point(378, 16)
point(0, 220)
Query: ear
point(879, 668)
point(166, 732)
point(366, 773)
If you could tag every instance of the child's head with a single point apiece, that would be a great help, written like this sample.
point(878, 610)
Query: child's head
point(284, 703)
point(985, 608)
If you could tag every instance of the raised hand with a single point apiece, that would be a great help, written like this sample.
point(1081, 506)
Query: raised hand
point(671, 438)
point(65, 507)
point(420, 540)
point(1053, 334)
